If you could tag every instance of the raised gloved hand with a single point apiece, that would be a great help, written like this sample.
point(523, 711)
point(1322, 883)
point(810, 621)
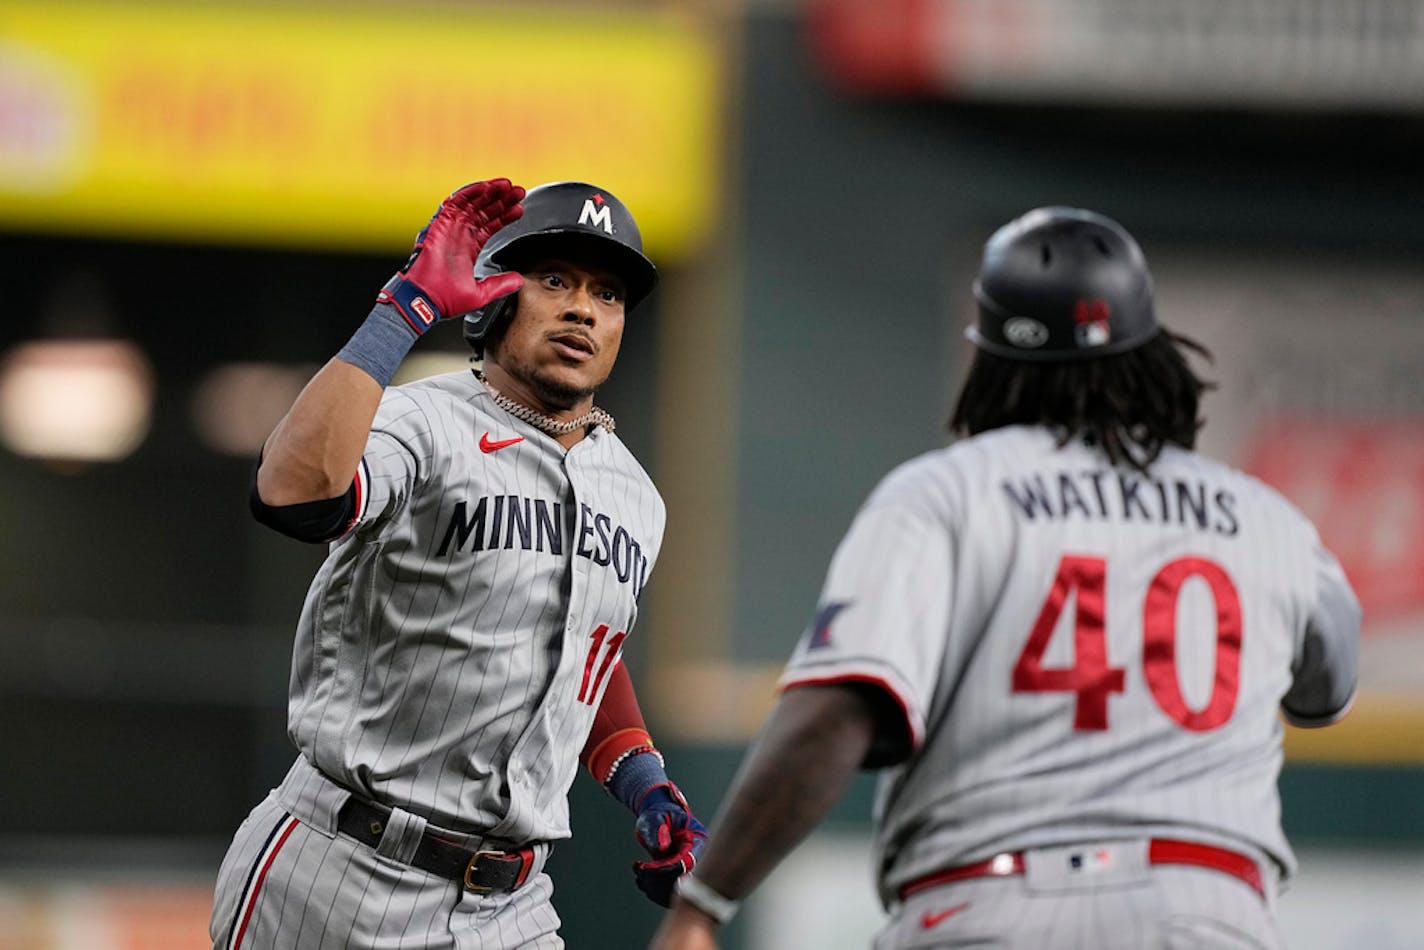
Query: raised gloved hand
point(669, 831)
point(438, 280)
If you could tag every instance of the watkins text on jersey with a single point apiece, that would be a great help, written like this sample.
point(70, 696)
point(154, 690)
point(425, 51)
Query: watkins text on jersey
point(534, 524)
point(1124, 496)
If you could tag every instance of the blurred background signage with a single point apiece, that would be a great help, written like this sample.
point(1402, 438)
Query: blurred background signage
point(294, 127)
point(1196, 52)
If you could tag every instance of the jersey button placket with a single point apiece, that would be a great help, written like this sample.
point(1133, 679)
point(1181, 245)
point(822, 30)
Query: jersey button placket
point(578, 566)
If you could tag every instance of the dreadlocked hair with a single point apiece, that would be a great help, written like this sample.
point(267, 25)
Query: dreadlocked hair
point(1129, 404)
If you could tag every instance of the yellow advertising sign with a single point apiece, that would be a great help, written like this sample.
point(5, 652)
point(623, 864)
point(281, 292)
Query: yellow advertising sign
point(343, 127)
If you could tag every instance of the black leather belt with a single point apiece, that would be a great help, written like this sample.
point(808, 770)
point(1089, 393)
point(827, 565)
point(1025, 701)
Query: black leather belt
point(479, 871)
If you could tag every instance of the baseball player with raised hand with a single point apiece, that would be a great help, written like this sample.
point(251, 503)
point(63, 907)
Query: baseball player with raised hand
point(459, 653)
point(1067, 639)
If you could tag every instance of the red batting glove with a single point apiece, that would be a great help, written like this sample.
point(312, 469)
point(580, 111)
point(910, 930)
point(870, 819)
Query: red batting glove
point(438, 280)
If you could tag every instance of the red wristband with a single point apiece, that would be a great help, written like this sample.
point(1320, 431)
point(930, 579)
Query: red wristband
point(607, 755)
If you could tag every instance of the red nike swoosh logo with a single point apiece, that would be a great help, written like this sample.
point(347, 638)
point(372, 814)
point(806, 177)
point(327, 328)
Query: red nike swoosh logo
point(487, 446)
point(939, 917)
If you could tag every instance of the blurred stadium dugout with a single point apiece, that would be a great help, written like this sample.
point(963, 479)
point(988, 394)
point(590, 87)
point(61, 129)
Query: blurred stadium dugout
point(197, 201)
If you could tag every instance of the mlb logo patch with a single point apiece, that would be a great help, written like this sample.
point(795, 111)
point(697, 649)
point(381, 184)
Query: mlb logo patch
point(1100, 859)
point(1090, 322)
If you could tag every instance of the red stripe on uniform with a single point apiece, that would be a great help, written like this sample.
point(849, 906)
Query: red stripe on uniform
point(251, 900)
point(360, 492)
point(362, 495)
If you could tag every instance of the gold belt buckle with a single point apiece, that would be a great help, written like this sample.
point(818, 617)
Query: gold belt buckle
point(470, 869)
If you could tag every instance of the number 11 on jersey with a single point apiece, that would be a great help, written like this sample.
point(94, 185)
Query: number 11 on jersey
point(605, 646)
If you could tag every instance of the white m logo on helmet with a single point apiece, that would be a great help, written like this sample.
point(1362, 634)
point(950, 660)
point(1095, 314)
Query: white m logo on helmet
point(599, 214)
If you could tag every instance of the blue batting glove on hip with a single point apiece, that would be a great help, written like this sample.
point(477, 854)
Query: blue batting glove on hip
point(669, 831)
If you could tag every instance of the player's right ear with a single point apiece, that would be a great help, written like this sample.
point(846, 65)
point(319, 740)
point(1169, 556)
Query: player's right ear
point(485, 326)
point(499, 325)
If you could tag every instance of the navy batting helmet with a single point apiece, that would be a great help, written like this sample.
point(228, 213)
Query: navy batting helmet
point(564, 219)
point(1062, 284)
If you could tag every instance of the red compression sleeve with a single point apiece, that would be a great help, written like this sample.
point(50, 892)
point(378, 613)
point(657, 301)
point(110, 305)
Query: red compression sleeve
point(618, 728)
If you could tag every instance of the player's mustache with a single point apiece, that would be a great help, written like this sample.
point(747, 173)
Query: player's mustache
point(567, 334)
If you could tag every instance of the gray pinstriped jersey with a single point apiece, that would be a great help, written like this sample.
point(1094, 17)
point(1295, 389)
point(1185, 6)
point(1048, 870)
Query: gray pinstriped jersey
point(454, 645)
point(1081, 652)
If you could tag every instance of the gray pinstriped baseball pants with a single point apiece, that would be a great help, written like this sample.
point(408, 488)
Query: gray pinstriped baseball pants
point(289, 880)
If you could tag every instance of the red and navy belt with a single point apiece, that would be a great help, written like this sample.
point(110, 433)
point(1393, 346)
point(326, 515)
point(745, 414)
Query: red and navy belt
point(1159, 851)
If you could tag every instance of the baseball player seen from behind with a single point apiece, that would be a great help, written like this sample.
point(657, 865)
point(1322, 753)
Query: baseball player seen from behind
point(1066, 639)
point(459, 652)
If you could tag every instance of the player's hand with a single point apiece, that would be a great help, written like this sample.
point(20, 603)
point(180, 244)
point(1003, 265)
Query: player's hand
point(438, 280)
point(669, 831)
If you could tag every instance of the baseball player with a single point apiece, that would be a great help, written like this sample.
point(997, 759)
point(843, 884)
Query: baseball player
point(1065, 639)
point(459, 652)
